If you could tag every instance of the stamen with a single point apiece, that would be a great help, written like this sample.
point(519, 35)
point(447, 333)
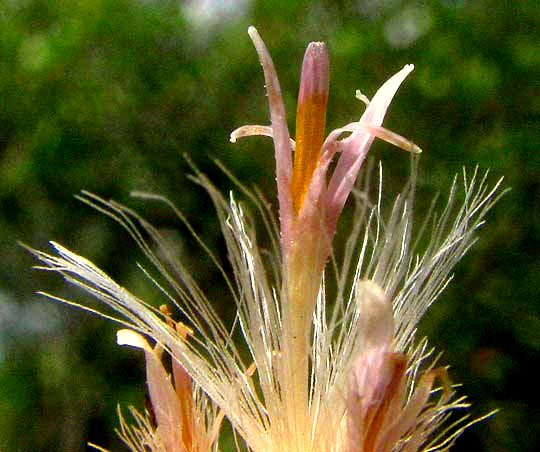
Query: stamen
point(362, 97)
point(310, 119)
point(180, 327)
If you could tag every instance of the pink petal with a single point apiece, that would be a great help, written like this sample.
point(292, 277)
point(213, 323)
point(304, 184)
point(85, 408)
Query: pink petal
point(280, 134)
point(355, 147)
point(165, 403)
point(310, 119)
point(372, 371)
point(162, 394)
point(376, 331)
point(376, 323)
point(184, 390)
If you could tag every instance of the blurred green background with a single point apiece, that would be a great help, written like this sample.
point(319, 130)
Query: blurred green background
point(107, 95)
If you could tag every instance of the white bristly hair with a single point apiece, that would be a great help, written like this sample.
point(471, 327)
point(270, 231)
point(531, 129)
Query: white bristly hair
point(384, 249)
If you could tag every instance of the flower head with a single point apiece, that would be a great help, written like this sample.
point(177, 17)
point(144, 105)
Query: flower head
point(340, 375)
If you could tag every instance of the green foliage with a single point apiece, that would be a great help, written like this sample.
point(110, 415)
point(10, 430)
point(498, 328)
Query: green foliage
point(108, 95)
